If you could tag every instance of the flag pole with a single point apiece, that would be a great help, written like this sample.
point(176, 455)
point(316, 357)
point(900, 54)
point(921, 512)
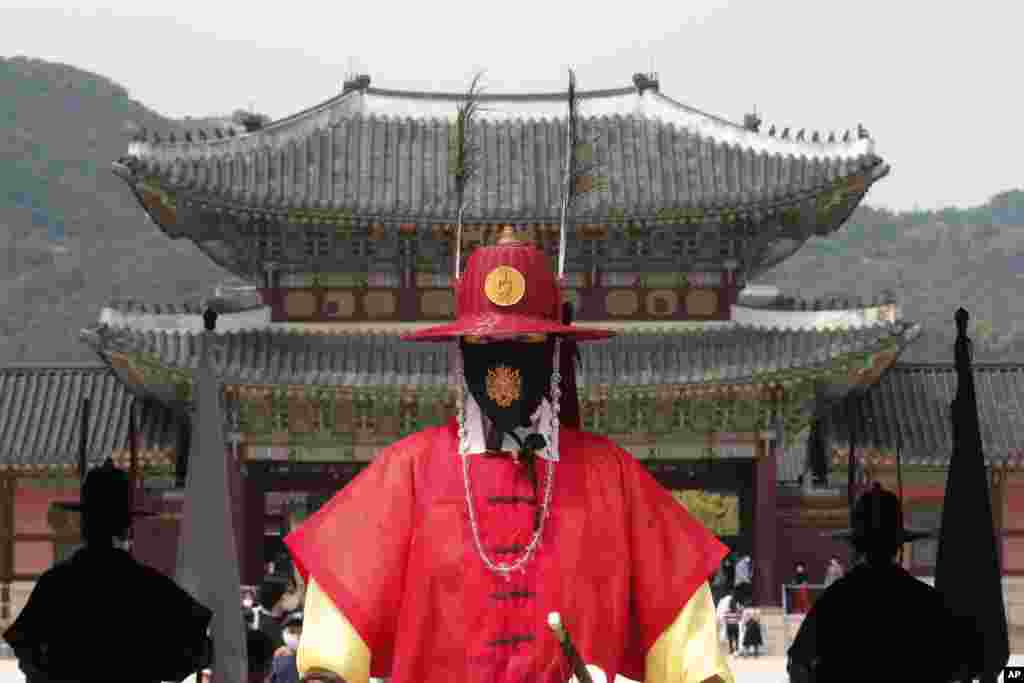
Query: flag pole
point(213, 578)
point(899, 481)
point(570, 174)
point(851, 464)
point(967, 571)
point(133, 446)
point(83, 443)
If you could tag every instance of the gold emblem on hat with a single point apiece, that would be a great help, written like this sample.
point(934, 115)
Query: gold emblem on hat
point(504, 385)
point(505, 286)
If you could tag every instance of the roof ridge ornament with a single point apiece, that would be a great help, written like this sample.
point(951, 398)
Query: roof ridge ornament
point(359, 82)
point(752, 121)
point(644, 82)
point(252, 122)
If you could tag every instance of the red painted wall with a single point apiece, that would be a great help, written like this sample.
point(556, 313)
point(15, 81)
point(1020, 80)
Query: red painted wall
point(156, 543)
point(31, 507)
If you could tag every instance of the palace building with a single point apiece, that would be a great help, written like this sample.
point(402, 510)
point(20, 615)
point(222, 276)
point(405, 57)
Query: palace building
point(339, 221)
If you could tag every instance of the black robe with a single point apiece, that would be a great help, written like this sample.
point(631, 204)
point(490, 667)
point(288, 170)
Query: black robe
point(102, 616)
point(878, 624)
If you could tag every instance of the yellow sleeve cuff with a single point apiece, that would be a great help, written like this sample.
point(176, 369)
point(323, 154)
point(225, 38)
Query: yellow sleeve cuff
point(329, 641)
point(689, 650)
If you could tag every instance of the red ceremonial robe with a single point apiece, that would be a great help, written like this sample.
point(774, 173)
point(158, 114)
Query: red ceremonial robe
point(394, 551)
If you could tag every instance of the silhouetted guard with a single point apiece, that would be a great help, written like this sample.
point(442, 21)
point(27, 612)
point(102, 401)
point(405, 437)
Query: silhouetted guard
point(967, 569)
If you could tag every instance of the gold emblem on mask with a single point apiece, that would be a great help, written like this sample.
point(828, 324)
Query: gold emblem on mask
point(505, 286)
point(504, 385)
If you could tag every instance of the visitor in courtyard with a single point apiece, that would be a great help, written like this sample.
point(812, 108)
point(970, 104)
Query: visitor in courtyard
point(719, 587)
point(291, 601)
point(284, 670)
point(249, 610)
point(801, 592)
point(744, 579)
point(482, 527)
point(729, 566)
point(834, 571)
point(270, 594)
point(722, 608)
point(751, 637)
point(732, 624)
point(920, 642)
point(260, 655)
point(800, 574)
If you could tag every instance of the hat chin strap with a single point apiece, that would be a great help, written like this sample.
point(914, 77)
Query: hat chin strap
point(546, 418)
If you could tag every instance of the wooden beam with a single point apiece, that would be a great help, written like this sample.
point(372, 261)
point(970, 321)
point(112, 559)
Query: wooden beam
point(41, 538)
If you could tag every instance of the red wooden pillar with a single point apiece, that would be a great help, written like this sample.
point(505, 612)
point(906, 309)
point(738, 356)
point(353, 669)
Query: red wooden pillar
point(765, 551)
point(253, 527)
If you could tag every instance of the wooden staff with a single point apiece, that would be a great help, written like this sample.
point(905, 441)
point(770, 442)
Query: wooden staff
point(575, 661)
point(134, 467)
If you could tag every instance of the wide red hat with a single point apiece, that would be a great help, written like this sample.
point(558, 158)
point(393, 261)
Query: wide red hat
point(507, 289)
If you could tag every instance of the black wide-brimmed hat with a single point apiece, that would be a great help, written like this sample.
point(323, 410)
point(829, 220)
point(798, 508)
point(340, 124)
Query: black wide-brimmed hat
point(878, 521)
point(107, 489)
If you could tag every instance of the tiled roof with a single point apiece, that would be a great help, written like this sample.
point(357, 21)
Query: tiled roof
point(385, 153)
point(40, 415)
point(833, 303)
point(142, 307)
point(719, 355)
point(912, 403)
point(221, 304)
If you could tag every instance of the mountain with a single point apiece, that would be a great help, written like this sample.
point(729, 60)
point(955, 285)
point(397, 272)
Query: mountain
point(74, 238)
point(72, 235)
point(935, 262)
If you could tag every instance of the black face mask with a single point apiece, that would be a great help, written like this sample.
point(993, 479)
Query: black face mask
point(508, 380)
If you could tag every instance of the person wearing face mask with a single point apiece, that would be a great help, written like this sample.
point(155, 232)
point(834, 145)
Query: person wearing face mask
point(284, 670)
point(443, 560)
point(250, 613)
point(801, 594)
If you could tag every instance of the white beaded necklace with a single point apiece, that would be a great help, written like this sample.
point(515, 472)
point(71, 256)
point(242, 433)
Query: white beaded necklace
point(506, 570)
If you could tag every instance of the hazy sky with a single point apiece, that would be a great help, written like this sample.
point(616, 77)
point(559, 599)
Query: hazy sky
point(938, 84)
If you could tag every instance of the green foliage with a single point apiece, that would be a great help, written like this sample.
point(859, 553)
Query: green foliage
point(869, 226)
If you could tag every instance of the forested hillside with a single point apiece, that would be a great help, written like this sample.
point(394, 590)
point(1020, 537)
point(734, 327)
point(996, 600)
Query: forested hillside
point(935, 261)
point(73, 237)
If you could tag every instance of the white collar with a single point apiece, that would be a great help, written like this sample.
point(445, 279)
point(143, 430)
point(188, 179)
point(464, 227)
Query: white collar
point(475, 443)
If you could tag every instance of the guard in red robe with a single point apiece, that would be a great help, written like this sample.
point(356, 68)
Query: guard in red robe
point(442, 560)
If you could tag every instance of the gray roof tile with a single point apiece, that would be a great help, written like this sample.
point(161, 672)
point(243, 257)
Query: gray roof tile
point(655, 152)
point(912, 404)
point(367, 359)
point(40, 415)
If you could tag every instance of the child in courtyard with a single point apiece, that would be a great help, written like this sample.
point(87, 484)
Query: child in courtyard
point(753, 639)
